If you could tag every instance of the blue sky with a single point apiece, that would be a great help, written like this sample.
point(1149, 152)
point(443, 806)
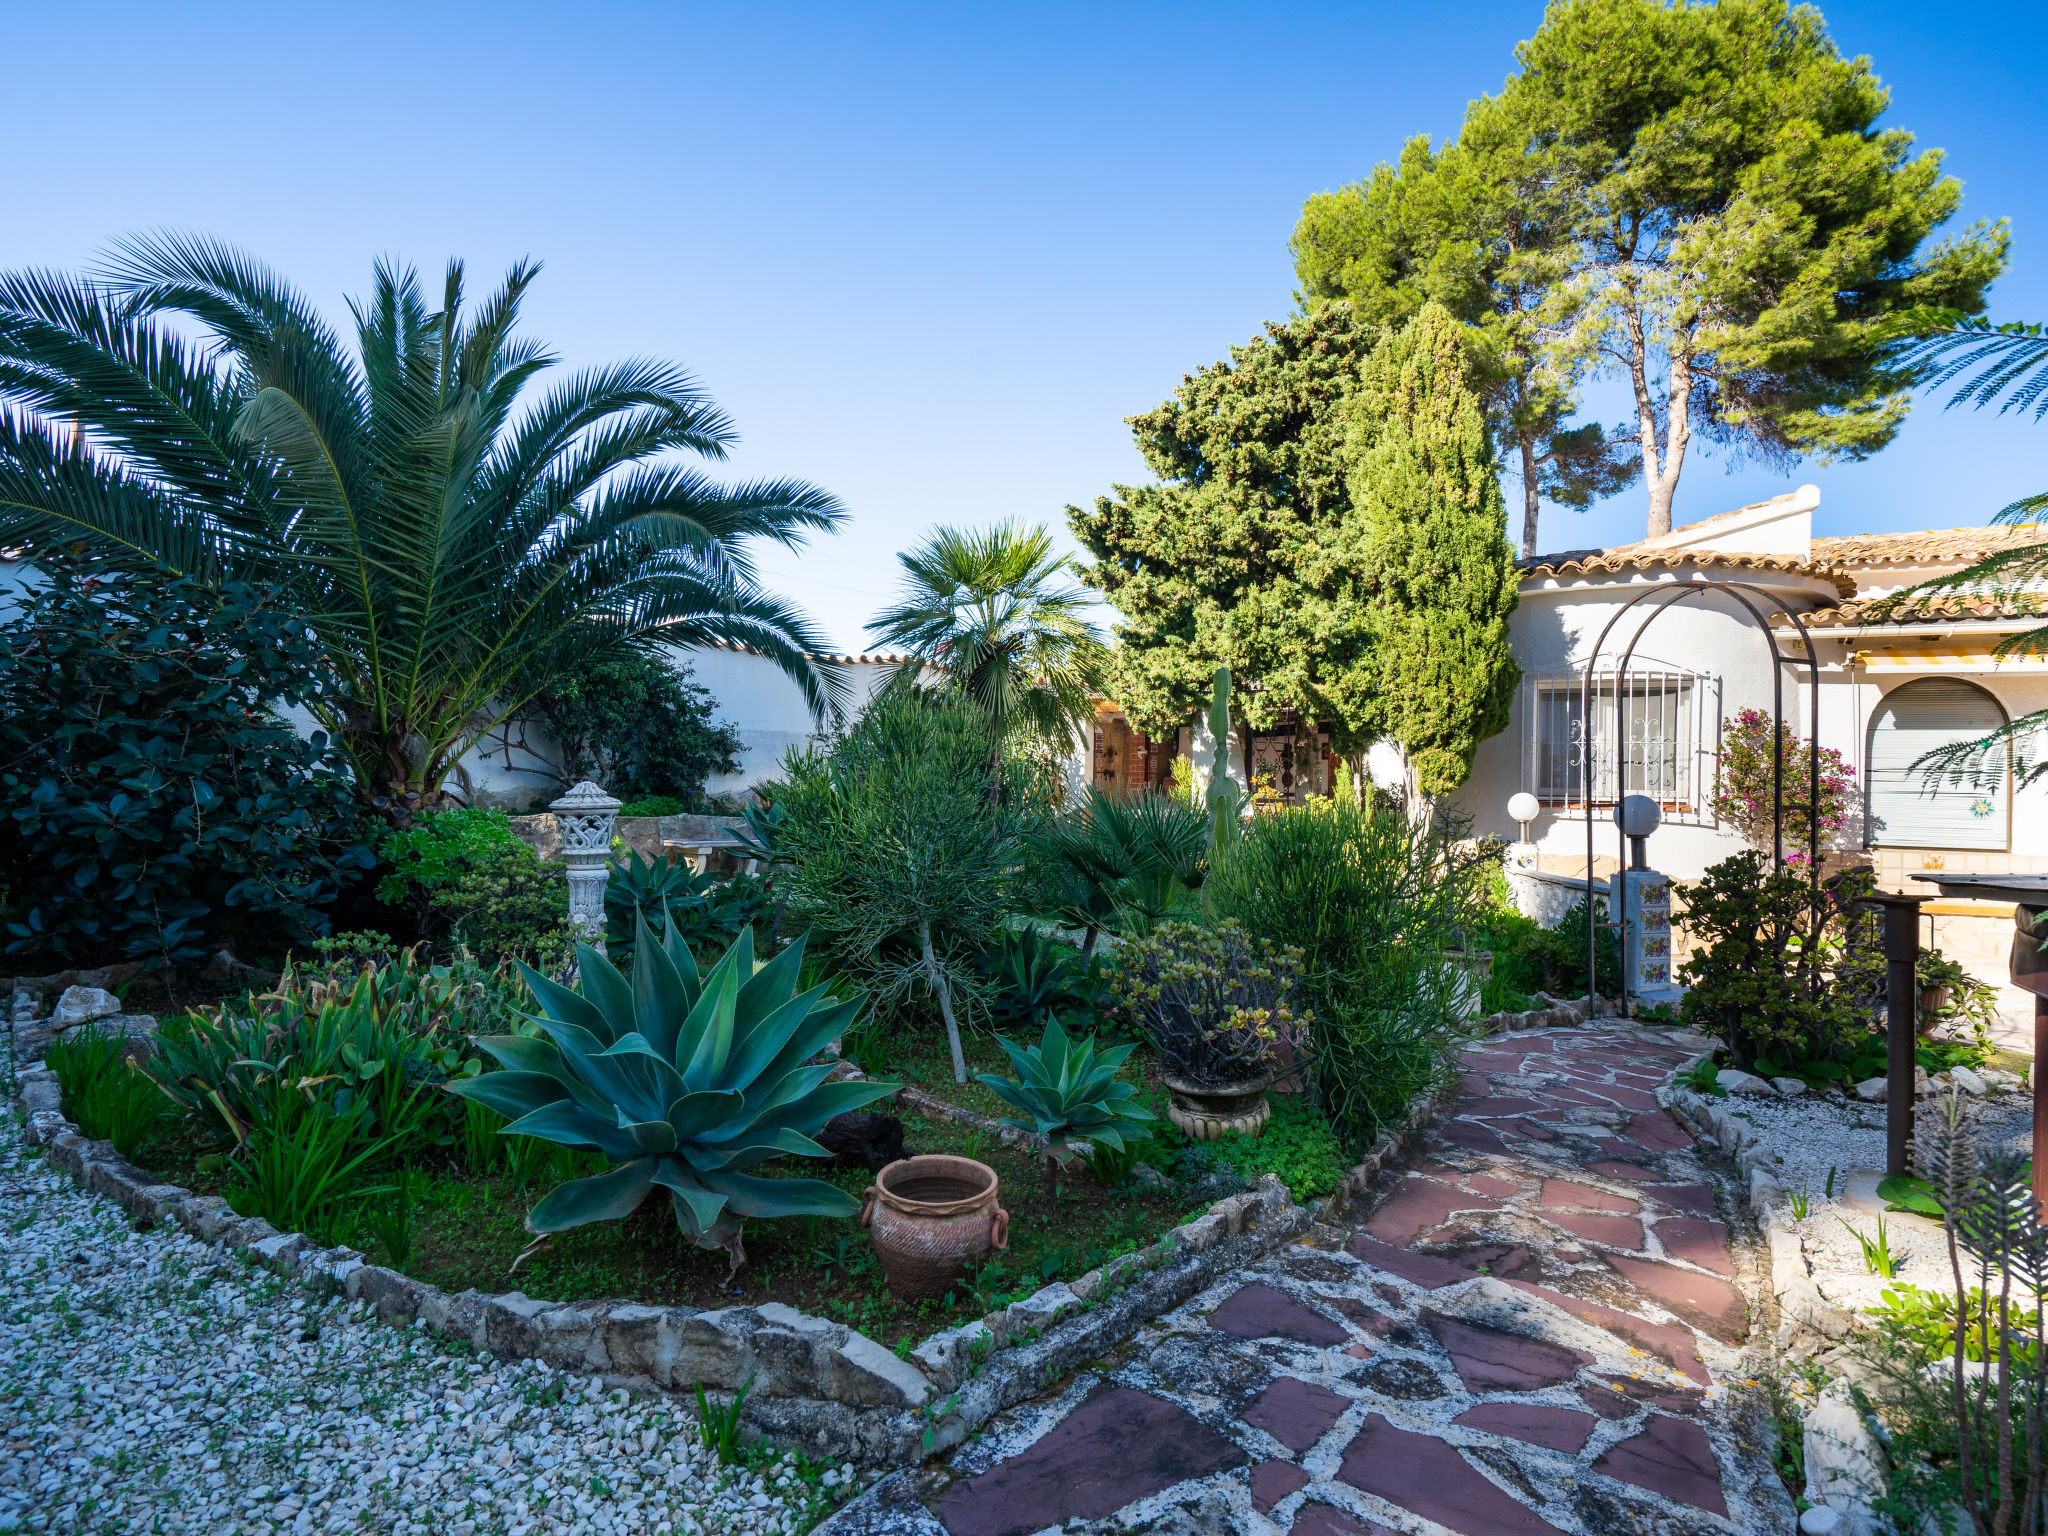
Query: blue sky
point(927, 257)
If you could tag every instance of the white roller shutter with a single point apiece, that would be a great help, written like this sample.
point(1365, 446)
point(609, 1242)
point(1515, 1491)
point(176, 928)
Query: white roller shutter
point(1911, 809)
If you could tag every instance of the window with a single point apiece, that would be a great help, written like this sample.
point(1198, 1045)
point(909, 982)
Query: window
point(1668, 728)
point(1911, 808)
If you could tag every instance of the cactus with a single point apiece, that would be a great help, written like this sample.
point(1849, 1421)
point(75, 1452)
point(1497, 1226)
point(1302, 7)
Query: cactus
point(1223, 796)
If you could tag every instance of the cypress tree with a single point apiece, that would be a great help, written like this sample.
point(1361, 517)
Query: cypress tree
point(1424, 472)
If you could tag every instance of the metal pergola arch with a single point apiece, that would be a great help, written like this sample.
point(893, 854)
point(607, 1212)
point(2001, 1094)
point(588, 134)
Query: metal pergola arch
point(1670, 598)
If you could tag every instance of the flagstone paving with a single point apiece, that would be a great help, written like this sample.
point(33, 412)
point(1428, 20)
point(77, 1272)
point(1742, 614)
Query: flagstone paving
point(1538, 1330)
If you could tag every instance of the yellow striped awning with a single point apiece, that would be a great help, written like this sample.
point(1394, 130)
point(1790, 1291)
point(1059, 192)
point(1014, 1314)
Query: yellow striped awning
point(1934, 658)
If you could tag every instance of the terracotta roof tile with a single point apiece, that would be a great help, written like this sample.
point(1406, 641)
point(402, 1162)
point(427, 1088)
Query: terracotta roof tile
point(1938, 546)
point(877, 658)
point(1934, 608)
point(1633, 557)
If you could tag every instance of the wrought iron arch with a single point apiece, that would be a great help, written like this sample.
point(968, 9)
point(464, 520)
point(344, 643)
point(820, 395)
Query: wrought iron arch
point(1671, 598)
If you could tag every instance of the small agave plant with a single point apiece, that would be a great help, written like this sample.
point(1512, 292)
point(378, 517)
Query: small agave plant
point(1070, 1094)
point(682, 1081)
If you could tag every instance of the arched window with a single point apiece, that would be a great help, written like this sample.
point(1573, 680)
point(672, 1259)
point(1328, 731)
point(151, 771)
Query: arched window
point(1919, 809)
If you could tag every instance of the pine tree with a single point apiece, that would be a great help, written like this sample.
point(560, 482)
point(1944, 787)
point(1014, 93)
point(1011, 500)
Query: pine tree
point(1425, 474)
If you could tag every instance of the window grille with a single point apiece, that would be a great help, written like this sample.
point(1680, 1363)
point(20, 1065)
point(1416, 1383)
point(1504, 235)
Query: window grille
point(1669, 746)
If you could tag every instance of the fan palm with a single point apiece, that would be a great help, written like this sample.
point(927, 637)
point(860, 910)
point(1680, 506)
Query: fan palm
point(454, 543)
point(989, 613)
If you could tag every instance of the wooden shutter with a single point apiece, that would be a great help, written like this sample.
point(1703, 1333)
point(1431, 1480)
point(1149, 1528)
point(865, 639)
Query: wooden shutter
point(1909, 809)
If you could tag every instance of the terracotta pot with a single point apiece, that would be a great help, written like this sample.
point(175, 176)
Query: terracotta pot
point(1207, 1111)
point(1932, 1000)
point(931, 1217)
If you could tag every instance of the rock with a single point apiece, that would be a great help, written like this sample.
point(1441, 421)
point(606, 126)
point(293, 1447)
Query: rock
point(1788, 1087)
point(858, 1139)
point(1819, 1521)
point(1741, 1082)
point(1968, 1081)
point(2004, 1082)
point(1871, 1090)
point(1920, 1081)
point(81, 1004)
point(1934, 1083)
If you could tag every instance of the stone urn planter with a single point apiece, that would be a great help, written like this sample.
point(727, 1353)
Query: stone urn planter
point(931, 1218)
point(1207, 1111)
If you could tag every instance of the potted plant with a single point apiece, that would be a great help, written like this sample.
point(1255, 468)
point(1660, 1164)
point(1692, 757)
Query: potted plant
point(1215, 1005)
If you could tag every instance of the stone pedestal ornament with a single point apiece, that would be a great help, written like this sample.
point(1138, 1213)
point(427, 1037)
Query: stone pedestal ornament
point(585, 815)
point(1646, 940)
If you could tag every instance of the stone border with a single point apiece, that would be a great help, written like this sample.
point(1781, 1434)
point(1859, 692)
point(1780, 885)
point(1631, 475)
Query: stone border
point(1844, 1469)
point(820, 1386)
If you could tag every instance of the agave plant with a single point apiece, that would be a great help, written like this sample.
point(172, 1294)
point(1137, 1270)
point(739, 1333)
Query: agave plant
point(681, 1080)
point(1071, 1095)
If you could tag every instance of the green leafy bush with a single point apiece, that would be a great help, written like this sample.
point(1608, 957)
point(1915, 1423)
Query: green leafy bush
point(1529, 958)
point(104, 1094)
point(1781, 970)
point(376, 1042)
point(654, 805)
point(682, 1082)
point(468, 878)
point(1372, 900)
point(152, 800)
point(637, 723)
point(1069, 1094)
point(904, 843)
point(1297, 1144)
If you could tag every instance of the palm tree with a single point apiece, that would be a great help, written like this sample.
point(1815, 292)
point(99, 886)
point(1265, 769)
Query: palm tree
point(454, 545)
point(989, 612)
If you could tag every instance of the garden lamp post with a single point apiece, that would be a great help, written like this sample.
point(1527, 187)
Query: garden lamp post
point(1519, 862)
point(2029, 968)
point(586, 815)
point(1901, 1023)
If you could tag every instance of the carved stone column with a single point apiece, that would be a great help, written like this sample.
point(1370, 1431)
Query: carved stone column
point(585, 815)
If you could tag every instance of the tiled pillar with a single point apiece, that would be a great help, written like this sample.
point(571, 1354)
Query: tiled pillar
point(1646, 943)
point(1519, 864)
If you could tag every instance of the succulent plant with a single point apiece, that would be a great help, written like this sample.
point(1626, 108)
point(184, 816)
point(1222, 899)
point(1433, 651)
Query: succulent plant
point(681, 1080)
point(1071, 1095)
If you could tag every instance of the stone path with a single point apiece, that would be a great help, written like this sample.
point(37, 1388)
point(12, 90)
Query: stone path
point(1536, 1331)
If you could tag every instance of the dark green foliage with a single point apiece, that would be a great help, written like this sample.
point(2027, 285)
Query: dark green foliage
point(1531, 958)
point(465, 876)
point(1778, 969)
point(1033, 979)
point(904, 847)
point(1372, 900)
point(658, 891)
point(1122, 862)
point(1426, 483)
point(1245, 553)
point(1069, 1094)
point(455, 539)
point(653, 805)
point(636, 724)
point(155, 804)
point(104, 1095)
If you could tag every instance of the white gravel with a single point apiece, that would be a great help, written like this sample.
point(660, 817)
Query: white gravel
point(1812, 1136)
point(151, 1383)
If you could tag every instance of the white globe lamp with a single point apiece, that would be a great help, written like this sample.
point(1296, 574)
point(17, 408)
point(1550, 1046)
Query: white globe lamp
point(1637, 816)
point(1524, 808)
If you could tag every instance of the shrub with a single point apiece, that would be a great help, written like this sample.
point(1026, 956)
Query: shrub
point(1372, 900)
point(375, 1042)
point(637, 723)
point(468, 878)
point(1742, 790)
point(904, 848)
point(155, 803)
point(654, 805)
point(1778, 968)
point(1213, 1002)
point(104, 1094)
point(681, 1081)
point(1532, 958)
